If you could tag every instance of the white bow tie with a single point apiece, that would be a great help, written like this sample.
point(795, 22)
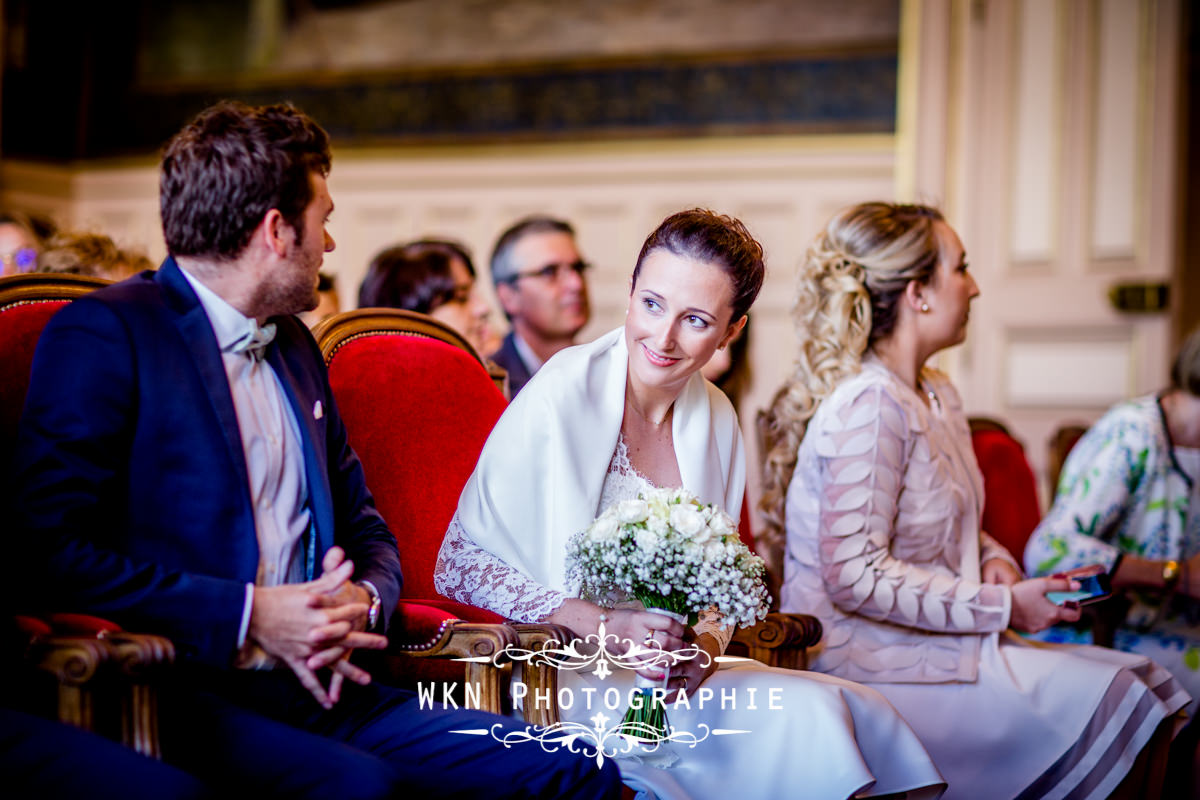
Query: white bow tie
point(254, 342)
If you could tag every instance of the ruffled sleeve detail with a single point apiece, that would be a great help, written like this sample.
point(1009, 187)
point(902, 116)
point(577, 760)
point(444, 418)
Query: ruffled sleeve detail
point(864, 451)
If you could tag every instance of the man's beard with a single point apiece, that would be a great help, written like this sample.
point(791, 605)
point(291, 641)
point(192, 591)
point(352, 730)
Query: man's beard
point(287, 297)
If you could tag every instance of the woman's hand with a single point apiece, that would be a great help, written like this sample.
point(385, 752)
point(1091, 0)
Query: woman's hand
point(688, 675)
point(997, 570)
point(1032, 612)
point(634, 628)
point(631, 627)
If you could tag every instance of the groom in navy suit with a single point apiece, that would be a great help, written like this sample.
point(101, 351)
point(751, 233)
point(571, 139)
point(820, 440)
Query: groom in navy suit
point(183, 470)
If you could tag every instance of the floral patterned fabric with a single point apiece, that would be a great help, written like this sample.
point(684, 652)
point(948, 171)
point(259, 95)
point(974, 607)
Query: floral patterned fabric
point(1125, 489)
point(1121, 491)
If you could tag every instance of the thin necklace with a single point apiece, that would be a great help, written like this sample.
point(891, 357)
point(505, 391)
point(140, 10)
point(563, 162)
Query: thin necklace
point(640, 413)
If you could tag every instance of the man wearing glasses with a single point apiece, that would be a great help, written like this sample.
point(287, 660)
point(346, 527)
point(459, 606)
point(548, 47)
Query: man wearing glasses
point(540, 282)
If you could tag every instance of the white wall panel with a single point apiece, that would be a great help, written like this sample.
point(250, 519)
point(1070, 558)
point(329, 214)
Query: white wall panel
point(1036, 136)
point(1053, 368)
point(1115, 187)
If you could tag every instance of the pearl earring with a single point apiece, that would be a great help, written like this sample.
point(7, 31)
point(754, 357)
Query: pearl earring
point(925, 308)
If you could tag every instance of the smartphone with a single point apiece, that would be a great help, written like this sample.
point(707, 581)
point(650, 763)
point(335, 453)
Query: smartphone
point(1094, 587)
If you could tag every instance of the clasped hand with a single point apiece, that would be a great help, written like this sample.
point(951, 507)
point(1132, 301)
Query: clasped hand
point(317, 624)
point(633, 627)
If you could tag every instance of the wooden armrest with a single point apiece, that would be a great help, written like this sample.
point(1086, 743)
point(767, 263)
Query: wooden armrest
point(458, 639)
point(540, 676)
point(139, 654)
point(780, 640)
point(73, 661)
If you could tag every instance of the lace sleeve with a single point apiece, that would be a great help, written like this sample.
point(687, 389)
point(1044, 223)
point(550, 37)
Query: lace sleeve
point(862, 449)
point(469, 574)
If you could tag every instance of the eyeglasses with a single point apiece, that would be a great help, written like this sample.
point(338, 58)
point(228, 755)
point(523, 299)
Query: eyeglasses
point(24, 259)
point(552, 273)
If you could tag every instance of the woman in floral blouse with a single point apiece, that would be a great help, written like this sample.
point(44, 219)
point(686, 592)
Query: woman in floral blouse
point(1129, 498)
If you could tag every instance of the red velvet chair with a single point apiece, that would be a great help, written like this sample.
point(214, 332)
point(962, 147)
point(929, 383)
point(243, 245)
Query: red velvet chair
point(95, 664)
point(1010, 506)
point(418, 403)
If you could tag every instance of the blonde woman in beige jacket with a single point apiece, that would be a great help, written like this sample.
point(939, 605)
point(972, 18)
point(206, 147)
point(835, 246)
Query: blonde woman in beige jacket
point(883, 539)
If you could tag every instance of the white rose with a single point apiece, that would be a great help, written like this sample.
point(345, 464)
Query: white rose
point(646, 541)
point(687, 520)
point(721, 525)
point(629, 511)
point(605, 529)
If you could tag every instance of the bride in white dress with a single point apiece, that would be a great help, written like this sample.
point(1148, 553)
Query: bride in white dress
point(883, 539)
point(597, 424)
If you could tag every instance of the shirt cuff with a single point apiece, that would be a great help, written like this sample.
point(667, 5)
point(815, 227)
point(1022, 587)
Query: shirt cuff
point(247, 607)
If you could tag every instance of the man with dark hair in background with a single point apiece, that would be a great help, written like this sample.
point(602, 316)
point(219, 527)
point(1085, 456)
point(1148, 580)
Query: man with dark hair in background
point(182, 469)
point(541, 285)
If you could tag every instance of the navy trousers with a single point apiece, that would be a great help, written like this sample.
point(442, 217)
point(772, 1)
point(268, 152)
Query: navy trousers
point(40, 758)
point(262, 734)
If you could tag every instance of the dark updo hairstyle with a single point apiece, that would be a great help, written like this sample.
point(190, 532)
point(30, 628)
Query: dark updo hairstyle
point(399, 277)
point(711, 238)
point(1185, 371)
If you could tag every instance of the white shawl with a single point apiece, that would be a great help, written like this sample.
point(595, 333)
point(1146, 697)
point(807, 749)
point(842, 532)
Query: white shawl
point(539, 478)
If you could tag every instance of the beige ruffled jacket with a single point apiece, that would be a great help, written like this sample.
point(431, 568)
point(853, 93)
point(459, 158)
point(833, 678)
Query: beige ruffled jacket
point(883, 538)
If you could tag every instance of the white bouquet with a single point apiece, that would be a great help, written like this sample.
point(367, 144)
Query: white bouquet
point(675, 555)
point(671, 552)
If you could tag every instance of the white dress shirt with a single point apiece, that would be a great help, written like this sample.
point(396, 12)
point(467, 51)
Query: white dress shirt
point(273, 449)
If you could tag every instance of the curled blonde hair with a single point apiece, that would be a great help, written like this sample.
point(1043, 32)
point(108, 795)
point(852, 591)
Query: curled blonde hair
point(850, 284)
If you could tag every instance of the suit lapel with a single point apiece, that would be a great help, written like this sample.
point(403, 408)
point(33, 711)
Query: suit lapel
point(306, 402)
point(201, 342)
point(519, 374)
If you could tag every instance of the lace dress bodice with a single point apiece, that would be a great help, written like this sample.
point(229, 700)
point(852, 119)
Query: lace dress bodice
point(469, 574)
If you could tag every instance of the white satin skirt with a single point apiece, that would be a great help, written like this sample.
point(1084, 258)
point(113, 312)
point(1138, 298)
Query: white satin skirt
point(1041, 721)
point(769, 733)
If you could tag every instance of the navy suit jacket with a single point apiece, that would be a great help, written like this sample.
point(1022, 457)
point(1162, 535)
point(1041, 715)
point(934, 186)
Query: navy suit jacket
point(130, 477)
point(508, 357)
